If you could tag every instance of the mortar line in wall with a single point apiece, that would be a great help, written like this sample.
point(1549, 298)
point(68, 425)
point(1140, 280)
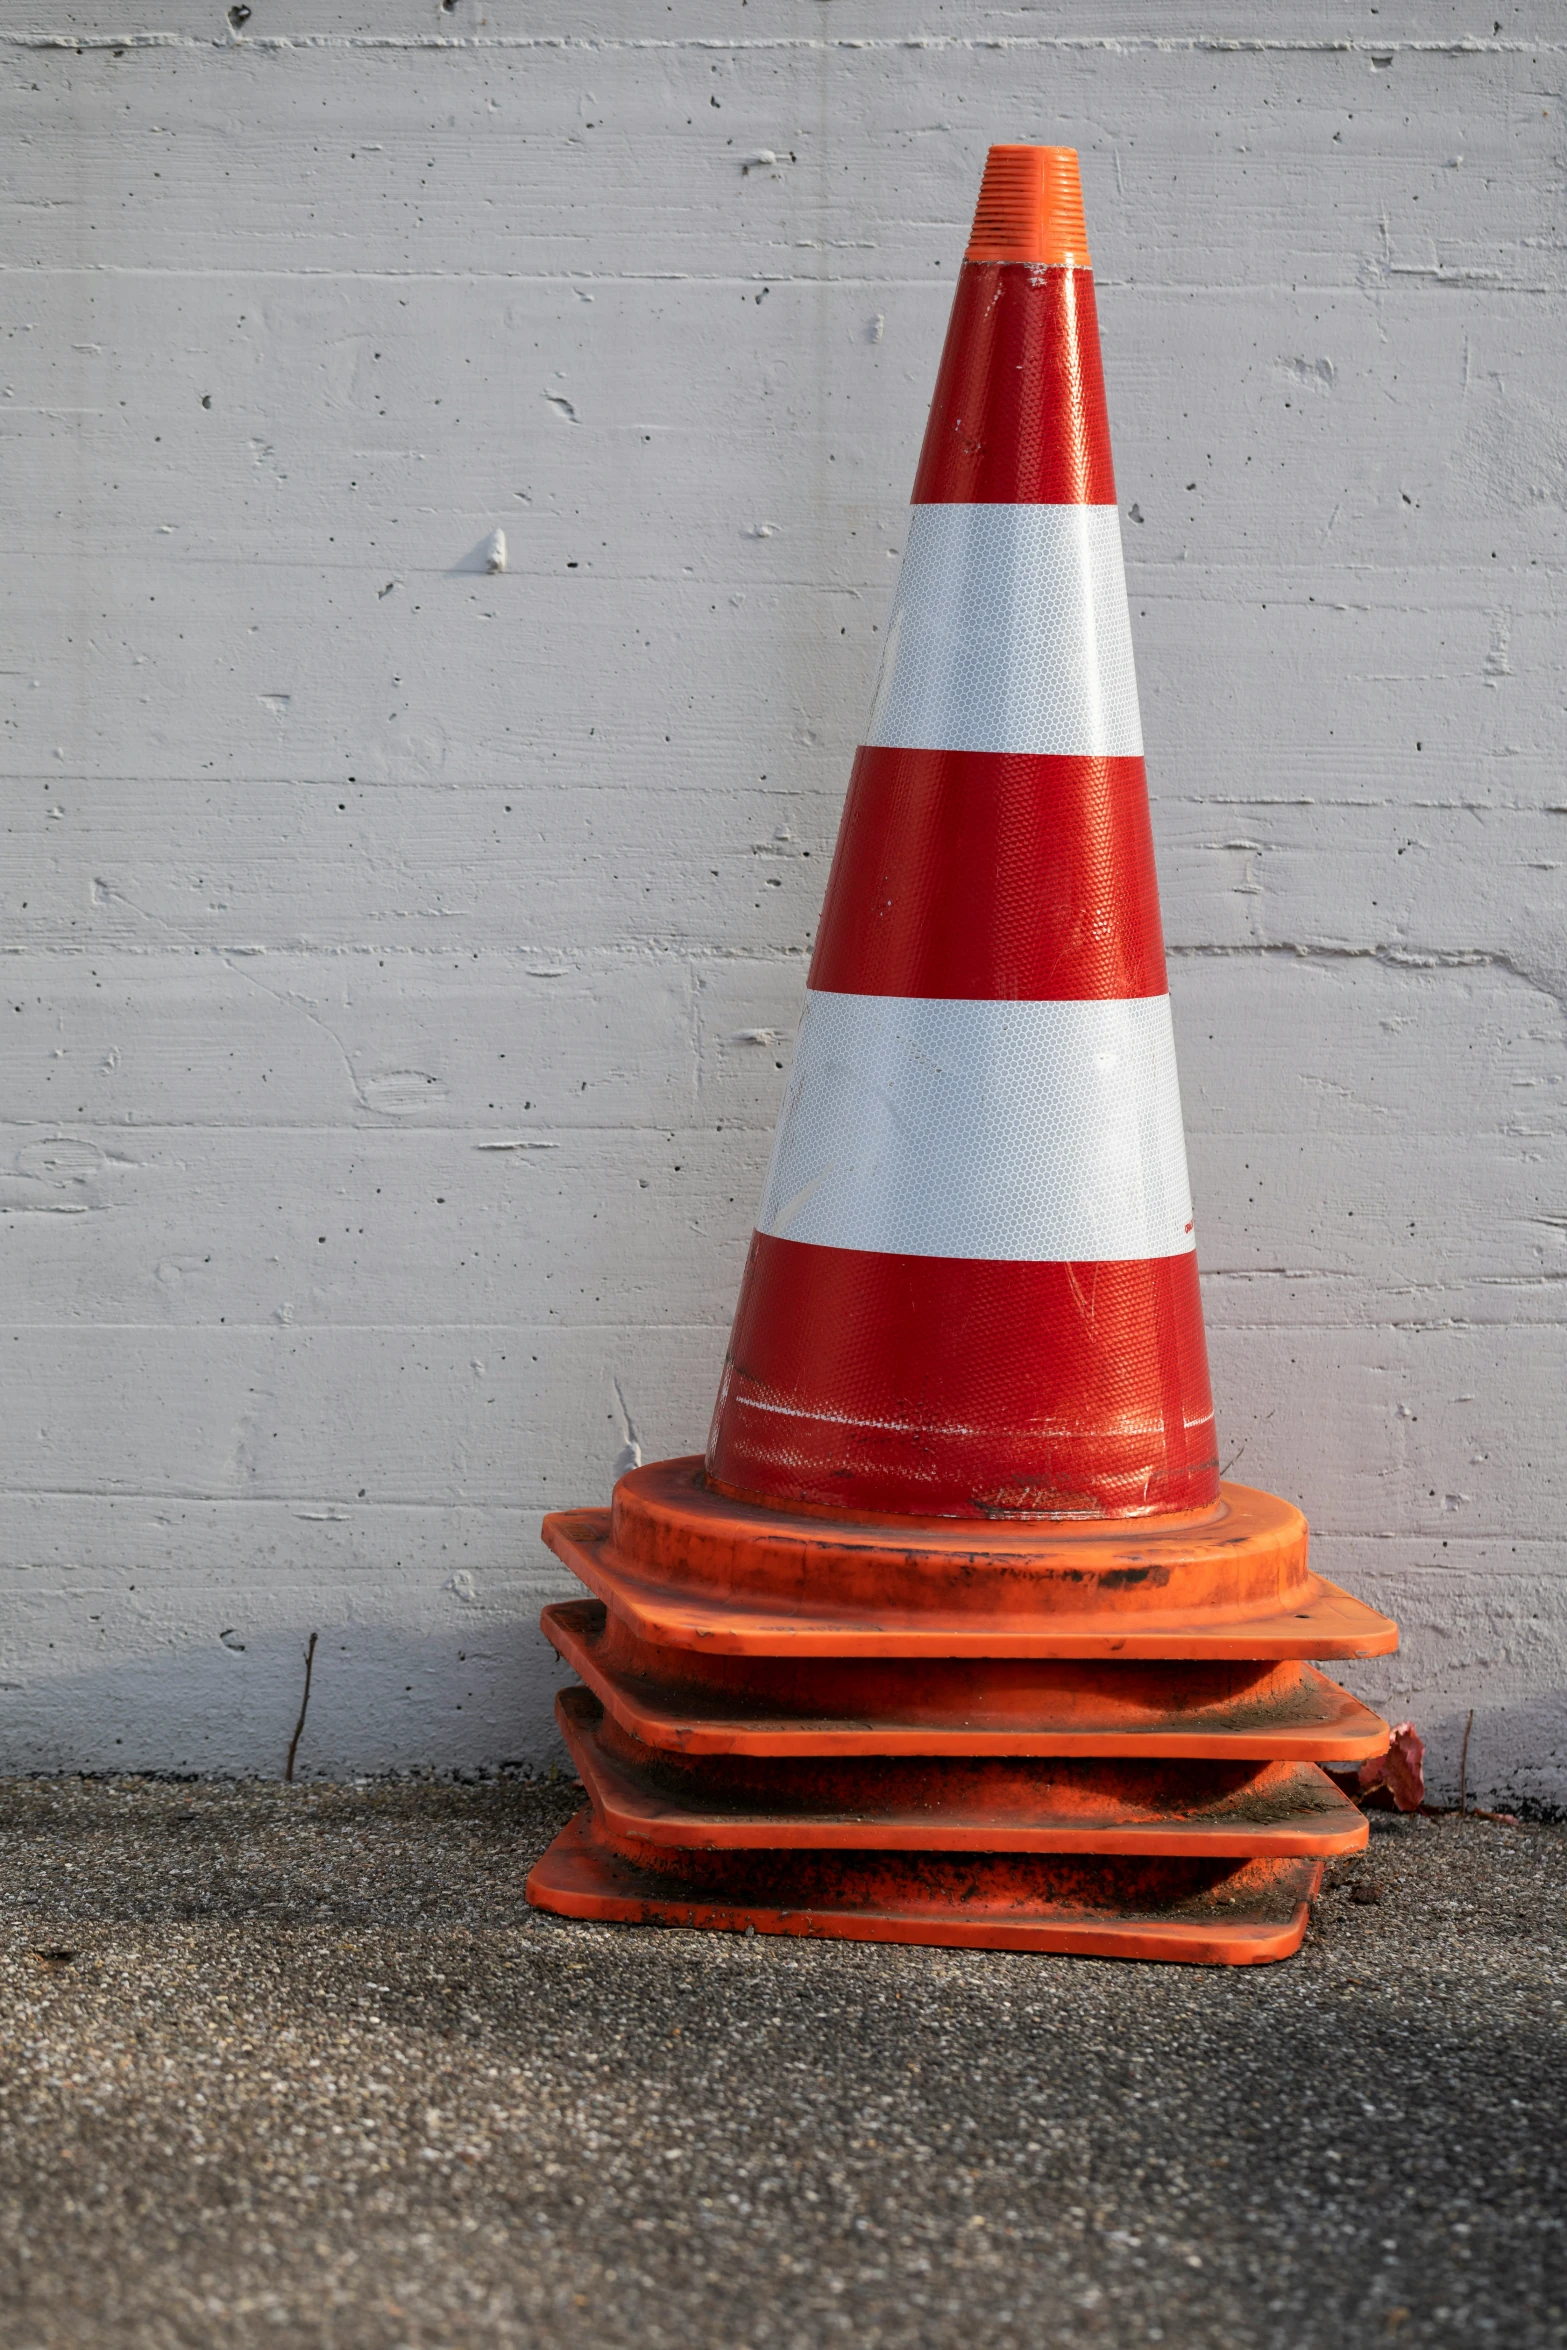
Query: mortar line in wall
point(611, 788)
point(1230, 1325)
point(513, 1507)
point(1552, 1543)
point(259, 1501)
point(1552, 1546)
point(1405, 956)
point(804, 44)
point(1316, 1272)
point(292, 1502)
point(670, 1132)
point(831, 789)
point(1215, 581)
point(273, 1328)
point(1218, 581)
point(653, 950)
point(308, 1497)
point(330, 950)
point(755, 1131)
point(1439, 1325)
point(1305, 288)
point(616, 952)
point(1425, 1537)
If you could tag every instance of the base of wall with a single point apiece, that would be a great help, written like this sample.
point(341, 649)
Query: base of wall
point(174, 1642)
point(1478, 1635)
point(205, 1674)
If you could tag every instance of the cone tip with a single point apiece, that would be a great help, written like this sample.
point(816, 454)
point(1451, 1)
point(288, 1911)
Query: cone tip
point(1030, 208)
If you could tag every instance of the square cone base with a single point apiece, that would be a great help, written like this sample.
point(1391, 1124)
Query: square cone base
point(694, 1704)
point(1200, 1913)
point(954, 1803)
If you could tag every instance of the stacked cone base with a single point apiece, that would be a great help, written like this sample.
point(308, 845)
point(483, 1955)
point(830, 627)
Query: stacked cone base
point(695, 1703)
point(1213, 1811)
point(1203, 1913)
point(1092, 1738)
point(685, 1565)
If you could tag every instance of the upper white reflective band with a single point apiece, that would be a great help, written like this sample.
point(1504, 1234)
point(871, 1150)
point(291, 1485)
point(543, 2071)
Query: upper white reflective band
point(1009, 632)
point(942, 1127)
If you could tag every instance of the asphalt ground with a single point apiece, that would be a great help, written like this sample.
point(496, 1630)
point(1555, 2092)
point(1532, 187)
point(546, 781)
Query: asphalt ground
point(312, 2073)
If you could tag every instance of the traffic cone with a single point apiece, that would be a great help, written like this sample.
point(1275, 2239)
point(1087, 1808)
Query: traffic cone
point(956, 1635)
point(982, 1134)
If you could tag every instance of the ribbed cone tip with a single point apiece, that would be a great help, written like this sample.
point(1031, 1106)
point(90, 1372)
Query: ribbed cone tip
point(1030, 208)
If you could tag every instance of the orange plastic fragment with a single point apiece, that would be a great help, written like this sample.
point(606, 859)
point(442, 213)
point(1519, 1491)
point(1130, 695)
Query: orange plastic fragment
point(1399, 1773)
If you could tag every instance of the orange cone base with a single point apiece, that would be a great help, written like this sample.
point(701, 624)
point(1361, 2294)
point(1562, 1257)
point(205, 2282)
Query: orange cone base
point(1200, 1811)
point(686, 1566)
point(1200, 1913)
point(1095, 1736)
point(694, 1703)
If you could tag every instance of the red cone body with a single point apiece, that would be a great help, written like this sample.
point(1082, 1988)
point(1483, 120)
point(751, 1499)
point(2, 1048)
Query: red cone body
point(972, 1289)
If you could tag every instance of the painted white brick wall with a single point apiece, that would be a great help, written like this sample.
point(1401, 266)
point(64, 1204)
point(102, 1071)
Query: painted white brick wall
point(402, 960)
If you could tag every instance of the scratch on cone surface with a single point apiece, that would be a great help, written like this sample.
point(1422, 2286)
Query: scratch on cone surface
point(955, 1634)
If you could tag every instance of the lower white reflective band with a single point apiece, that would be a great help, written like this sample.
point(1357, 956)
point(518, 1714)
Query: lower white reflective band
point(1009, 632)
point(943, 1127)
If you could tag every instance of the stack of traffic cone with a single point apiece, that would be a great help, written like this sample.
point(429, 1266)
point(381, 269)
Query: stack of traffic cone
point(956, 1636)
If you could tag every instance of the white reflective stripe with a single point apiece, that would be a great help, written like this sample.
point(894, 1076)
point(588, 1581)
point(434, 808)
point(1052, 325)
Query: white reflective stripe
point(944, 1127)
point(1009, 632)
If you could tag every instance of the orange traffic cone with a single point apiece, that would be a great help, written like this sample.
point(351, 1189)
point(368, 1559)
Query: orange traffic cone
point(956, 1636)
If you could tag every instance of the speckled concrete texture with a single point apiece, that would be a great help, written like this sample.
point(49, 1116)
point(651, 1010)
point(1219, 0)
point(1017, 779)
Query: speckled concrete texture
point(298, 2065)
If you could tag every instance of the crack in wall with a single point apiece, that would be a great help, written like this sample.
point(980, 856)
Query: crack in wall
point(103, 890)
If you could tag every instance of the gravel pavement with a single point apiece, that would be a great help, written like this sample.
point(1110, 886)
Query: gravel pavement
point(298, 2065)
